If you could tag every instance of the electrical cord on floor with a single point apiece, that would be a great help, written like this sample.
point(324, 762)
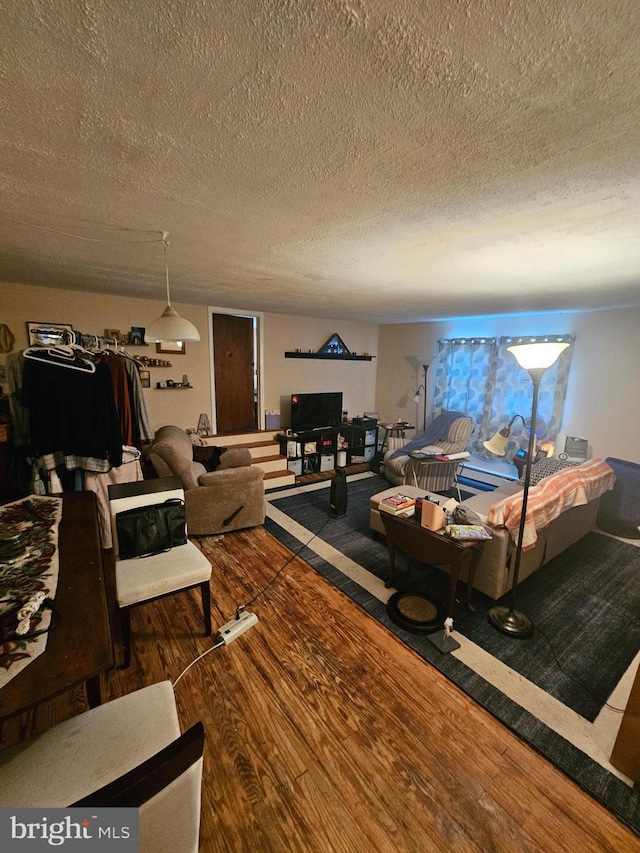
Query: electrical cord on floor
point(242, 607)
point(573, 678)
point(295, 554)
point(195, 660)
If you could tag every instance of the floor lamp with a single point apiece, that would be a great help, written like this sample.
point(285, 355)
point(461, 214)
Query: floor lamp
point(534, 358)
point(426, 361)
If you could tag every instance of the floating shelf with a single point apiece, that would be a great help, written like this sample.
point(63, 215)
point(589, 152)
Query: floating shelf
point(329, 356)
point(175, 388)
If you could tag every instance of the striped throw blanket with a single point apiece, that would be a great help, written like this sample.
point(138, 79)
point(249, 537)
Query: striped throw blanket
point(551, 497)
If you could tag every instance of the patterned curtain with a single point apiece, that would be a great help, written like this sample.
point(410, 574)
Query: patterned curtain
point(480, 378)
point(465, 381)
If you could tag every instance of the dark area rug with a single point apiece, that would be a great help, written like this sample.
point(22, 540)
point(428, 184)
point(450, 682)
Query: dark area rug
point(584, 605)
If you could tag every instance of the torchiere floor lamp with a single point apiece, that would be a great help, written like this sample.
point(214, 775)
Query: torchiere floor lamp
point(426, 361)
point(535, 358)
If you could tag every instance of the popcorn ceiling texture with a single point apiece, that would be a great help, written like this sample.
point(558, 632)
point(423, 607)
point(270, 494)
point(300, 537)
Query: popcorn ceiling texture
point(393, 160)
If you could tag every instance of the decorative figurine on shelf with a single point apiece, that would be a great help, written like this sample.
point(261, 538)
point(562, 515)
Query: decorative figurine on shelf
point(204, 425)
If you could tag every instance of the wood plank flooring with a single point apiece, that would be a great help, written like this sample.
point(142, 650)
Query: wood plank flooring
point(326, 733)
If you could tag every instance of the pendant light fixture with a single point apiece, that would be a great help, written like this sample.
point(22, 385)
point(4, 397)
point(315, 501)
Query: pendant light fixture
point(170, 327)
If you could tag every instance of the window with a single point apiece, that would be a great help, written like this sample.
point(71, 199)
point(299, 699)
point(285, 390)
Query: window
point(481, 379)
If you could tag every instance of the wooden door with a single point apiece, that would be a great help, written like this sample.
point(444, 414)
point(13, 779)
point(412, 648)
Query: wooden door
point(234, 364)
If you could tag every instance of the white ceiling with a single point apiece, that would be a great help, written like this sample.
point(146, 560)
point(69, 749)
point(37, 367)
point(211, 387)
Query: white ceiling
point(391, 160)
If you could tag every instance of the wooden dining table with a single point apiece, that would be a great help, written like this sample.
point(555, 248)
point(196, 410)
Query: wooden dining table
point(79, 646)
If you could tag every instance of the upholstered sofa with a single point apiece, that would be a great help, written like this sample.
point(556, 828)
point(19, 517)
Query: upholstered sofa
point(228, 498)
point(562, 508)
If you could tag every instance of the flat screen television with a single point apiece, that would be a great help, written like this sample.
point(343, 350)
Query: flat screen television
point(314, 411)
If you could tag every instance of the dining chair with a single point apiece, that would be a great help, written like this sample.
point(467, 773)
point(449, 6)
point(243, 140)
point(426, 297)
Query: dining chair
point(139, 580)
point(113, 756)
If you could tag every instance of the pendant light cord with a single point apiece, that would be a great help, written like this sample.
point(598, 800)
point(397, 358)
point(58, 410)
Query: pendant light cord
point(93, 239)
point(165, 243)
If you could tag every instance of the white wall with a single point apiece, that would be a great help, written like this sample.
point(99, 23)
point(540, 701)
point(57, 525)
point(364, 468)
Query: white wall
point(93, 313)
point(286, 376)
point(603, 397)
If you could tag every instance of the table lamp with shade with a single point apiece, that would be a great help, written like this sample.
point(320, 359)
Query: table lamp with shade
point(535, 358)
point(497, 444)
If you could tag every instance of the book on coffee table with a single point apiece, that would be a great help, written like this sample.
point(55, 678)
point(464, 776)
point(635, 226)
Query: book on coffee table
point(397, 504)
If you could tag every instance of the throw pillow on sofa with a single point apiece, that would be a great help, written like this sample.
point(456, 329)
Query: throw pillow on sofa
point(546, 467)
point(208, 455)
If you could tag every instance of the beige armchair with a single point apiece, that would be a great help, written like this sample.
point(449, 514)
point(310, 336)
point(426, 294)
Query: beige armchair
point(229, 498)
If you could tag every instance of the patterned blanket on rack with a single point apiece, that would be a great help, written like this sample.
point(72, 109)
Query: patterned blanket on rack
point(551, 497)
point(28, 581)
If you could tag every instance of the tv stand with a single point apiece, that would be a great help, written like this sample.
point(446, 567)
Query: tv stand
point(322, 448)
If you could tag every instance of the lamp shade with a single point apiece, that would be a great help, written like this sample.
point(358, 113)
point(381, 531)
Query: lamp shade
point(537, 356)
point(171, 327)
point(498, 443)
point(425, 360)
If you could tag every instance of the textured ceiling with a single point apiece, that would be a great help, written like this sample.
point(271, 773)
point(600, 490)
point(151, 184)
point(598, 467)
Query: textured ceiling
point(390, 160)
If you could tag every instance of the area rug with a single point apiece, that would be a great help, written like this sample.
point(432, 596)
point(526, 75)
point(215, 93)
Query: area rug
point(557, 690)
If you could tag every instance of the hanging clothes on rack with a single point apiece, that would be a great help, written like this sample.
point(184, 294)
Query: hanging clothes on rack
point(129, 472)
point(21, 423)
point(122, 393)
point(70, 398)
point(142, 424)
point(76, 409)
point(130, 401)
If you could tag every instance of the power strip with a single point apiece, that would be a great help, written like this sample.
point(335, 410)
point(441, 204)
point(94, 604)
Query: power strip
point(236, 627)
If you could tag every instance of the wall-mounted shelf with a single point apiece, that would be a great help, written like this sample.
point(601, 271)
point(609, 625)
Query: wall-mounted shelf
point(328, 356)
point(174, 388)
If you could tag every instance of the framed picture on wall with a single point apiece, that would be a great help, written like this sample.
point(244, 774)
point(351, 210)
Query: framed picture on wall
point(47, 333)
point(145, 378)
point(176, 347)
point(136, 336)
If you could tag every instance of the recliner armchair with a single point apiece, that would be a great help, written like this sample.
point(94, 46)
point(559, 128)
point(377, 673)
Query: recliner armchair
point(449, 432)
point(229, 498)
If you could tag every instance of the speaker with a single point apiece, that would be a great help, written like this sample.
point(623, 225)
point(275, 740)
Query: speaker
point(338, 494)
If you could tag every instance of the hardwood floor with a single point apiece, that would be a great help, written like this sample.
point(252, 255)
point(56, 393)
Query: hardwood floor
point(326, 733)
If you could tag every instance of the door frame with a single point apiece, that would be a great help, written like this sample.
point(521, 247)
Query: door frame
point(258, 316)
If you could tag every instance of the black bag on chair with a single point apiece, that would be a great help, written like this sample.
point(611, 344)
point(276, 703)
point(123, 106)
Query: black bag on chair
point(147, 530)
